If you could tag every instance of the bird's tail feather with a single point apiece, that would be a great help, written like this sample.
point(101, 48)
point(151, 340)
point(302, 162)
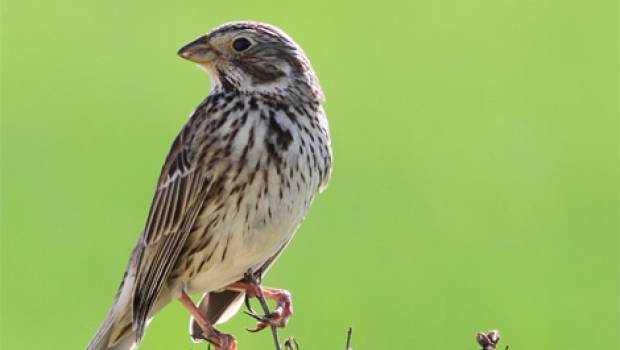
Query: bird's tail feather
point(116, 332)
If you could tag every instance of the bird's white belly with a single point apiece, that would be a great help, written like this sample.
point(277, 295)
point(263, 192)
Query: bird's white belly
point(250, 244)
point(259, 219)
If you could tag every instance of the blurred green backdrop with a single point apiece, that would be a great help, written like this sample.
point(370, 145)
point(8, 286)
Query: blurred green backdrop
point(475, 181)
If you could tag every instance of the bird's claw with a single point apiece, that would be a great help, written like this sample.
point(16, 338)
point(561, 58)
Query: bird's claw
point(284, 309)
point(219, 340)
point(256, 316)
point(224, 342)
point(248, 305)
point(278, 318)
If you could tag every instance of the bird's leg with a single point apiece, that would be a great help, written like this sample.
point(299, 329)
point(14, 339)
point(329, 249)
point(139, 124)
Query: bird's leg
point(284, 306)
point(219, 340)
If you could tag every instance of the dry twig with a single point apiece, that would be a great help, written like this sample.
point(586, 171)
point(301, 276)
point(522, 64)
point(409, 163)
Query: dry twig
point(291, 344)
point(489, 340)
point(263, 303)
point(349, 335)
point(251, 277)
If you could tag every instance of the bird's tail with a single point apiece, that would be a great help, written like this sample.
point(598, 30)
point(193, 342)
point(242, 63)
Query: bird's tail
point(113, 337)
point(116, 332)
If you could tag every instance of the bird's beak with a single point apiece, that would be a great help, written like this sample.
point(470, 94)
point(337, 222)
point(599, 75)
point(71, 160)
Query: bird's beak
point(199, 51)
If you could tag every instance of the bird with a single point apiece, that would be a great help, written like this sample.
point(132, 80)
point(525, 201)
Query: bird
point(236, 184)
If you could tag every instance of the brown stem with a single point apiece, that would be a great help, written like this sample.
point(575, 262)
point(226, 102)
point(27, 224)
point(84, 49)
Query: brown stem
point(257, 280)
point(263, 304)
point(349, 334)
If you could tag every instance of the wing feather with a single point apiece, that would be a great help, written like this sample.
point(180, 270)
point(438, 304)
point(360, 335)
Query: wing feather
point(181, 193)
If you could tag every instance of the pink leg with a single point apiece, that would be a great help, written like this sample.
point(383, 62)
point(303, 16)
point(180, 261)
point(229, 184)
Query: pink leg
point(220, 340)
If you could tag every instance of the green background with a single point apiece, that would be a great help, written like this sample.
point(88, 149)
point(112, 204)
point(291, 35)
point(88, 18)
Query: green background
point(475, 182)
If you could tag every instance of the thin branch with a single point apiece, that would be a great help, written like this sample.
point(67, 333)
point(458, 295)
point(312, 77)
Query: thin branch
point(255, 278)
point(263, 304)
point(349, 334)
point(291, 344)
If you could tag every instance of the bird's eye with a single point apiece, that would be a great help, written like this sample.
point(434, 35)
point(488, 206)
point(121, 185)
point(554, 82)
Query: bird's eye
point(241, 44)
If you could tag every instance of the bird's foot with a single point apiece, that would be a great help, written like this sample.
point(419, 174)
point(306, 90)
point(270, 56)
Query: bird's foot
point(252, 288)
point(221, 341)
point(280, 316)
point(224, 342)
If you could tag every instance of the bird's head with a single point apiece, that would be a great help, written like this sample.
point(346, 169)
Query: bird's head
point(251, 57)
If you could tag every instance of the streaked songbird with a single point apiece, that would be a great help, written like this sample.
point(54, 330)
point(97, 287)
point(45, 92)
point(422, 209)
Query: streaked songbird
point(234, 188)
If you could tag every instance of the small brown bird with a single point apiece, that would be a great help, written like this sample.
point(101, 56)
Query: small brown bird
point(234, 188)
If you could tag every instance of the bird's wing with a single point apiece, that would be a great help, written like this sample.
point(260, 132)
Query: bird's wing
point(180, 196)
